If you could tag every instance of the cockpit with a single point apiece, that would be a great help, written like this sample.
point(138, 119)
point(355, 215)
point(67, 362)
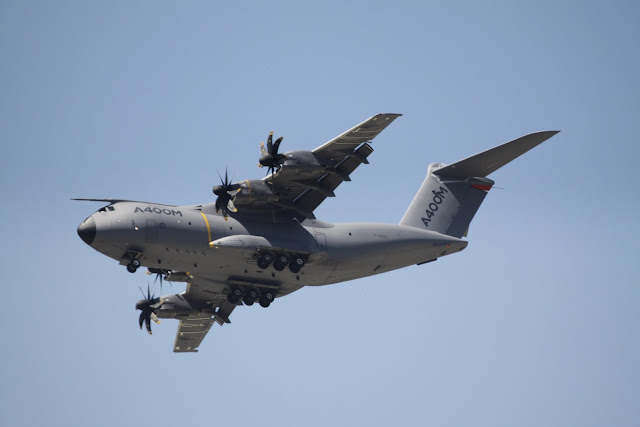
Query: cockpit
point(109, 208)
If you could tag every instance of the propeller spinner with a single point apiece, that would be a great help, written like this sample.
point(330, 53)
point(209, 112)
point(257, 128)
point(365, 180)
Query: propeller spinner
point(270, 156)
point(225, 193)
point(148, 309)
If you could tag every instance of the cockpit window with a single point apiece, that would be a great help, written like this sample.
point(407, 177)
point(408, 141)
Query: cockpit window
point(109, 208)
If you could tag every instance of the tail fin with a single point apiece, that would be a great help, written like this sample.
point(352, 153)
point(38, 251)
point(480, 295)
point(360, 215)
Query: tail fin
point(451, 194)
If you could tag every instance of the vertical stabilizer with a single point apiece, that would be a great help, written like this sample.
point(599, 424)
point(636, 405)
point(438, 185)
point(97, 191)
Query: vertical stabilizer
point(451, 194)
point(446, 205)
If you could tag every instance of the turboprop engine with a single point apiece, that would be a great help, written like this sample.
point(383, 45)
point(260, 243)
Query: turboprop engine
point(254, 191)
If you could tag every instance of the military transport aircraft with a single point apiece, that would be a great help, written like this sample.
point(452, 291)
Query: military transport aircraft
point(260, 240)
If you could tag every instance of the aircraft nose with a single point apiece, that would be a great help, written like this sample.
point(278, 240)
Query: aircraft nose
point(87, 230)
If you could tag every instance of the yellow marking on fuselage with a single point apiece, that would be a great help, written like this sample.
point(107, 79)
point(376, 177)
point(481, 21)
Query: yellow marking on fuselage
point(249, 187)
point(206, 221)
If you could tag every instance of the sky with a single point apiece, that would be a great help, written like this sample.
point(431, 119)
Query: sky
point(535, 323)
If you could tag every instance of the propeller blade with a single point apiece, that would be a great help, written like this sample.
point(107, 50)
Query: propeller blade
point(263, 150)
point(231, 206)
point(270, 143)
point(276, 146)
point(147, 322)
point(218, 204)
point(141, 319)
point(154, 317)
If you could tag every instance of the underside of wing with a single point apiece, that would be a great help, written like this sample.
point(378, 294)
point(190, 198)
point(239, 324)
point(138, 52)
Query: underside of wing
point(213, 306)
point(306, 178)
point(191, 332)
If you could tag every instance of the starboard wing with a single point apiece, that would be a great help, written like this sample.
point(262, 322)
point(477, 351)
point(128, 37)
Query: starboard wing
point(301, 193)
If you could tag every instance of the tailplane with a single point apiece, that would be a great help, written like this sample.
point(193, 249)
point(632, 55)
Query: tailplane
point(451, 194)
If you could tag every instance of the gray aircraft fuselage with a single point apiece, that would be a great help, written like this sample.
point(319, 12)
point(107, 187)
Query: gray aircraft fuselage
point(183, 238)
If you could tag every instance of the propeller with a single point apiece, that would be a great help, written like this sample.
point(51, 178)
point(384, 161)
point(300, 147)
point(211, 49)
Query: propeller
point(225, 193)
point(160, 274)
point(270, 157)
point(148, 307)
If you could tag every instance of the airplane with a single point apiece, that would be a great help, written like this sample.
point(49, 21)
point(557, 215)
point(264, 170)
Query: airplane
point(260, 240)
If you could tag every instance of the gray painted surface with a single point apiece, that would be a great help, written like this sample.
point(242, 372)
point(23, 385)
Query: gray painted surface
point(219, 254)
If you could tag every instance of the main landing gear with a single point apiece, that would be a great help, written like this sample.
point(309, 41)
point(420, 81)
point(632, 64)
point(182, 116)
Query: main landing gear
point(280, 262)
point(250, 295)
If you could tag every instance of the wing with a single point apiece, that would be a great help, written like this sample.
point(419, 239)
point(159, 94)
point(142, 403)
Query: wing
point(301, 190)
point(193, 328)
point(191, 332)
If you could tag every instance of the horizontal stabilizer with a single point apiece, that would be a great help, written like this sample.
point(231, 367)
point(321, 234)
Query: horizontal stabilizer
point(491, 160)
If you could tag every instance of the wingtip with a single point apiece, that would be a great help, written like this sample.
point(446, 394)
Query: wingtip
point(389, 114)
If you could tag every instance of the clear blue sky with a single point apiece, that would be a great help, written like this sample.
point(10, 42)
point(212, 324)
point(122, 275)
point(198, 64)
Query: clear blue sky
point(535, 324)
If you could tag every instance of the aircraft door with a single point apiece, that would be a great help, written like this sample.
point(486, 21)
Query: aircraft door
point(321, 242)
point(151, 231)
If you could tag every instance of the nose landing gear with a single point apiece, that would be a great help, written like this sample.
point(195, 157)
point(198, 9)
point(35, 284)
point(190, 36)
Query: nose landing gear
point(133, 265)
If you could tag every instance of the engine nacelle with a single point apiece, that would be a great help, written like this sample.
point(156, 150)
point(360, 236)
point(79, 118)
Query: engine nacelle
point(174, 306)
point(254, 191)
point(301, 162)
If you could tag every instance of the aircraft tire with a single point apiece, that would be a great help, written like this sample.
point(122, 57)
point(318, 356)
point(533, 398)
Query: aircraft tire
point(296, 264)
point(281, 262)
point(266, 299)
point(131, 268)
point(250, 296)
point(265, 261)
point(234, 296)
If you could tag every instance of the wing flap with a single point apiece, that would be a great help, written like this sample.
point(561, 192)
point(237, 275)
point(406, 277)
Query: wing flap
point(363, 132)
point(191, 332)
point(194, 328)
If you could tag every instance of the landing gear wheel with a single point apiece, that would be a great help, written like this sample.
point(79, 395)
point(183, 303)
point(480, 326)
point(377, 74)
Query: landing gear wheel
point(296, 264)
point(234, 296)
point(281, 262)
point(265, 261)
point(133, 265)
point(250, 296)
point(266, 298)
